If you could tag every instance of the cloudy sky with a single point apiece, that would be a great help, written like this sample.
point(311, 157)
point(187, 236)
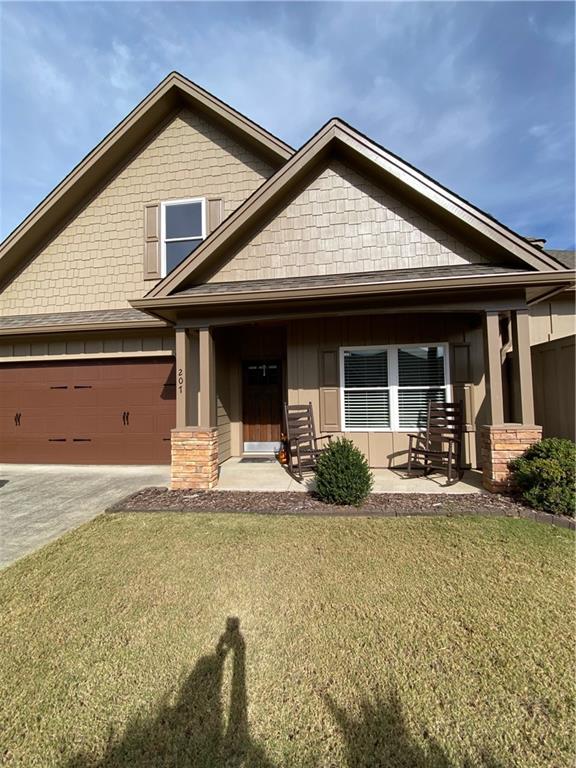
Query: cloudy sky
point(478, 95)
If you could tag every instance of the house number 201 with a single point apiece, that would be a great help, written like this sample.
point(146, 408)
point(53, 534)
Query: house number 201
point(180, 380)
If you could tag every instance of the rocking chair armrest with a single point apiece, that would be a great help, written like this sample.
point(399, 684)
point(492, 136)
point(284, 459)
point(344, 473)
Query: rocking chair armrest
point(322, 437)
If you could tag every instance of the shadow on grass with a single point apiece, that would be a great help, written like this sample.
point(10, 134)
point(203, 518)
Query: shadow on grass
point(379, 738)
point(191, 733)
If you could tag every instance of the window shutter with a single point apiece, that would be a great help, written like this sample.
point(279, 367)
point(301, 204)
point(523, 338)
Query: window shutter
point(152, 241)
point(462, 382)
point(214, 213)
point(329, 391)
point(460, 363)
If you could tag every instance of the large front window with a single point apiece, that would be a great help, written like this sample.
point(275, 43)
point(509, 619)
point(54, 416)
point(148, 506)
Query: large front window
point(388, 388)
point(183, 229)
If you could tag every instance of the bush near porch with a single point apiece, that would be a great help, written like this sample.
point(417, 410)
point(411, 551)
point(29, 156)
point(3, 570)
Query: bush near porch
point(545, 474)
point(361, 642)
point(342, 474)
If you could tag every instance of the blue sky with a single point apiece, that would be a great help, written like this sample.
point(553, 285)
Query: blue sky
point(478, 95)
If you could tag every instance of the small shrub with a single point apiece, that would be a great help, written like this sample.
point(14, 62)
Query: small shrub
point(546, 476)
point(343, 475)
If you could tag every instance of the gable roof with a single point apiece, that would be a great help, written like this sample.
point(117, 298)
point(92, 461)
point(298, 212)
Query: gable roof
point(172, 94)
point(338, 136)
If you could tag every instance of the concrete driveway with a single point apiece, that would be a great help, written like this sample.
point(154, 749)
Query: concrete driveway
point(38, 502)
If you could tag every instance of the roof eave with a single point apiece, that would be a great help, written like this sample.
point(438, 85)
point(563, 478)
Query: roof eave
point(513, 280)
point(32, 330)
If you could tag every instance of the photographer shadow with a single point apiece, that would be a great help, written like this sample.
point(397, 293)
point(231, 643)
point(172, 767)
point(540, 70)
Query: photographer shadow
point(191, 733)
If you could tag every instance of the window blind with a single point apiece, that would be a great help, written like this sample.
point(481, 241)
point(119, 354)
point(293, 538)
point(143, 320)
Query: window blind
point(420, 380)
point(366, 397)
point(389, 388)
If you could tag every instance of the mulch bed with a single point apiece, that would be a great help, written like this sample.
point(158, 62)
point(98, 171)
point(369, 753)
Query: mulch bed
point(285, 503)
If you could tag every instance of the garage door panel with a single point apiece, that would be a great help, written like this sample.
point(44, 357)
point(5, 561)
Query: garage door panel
point(113, 412)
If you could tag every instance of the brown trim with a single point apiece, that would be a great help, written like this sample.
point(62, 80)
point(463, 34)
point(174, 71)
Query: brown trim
point(207, 370)
point(175, 90)
point(493, 366)
point(522, 360)
point(549, 294)
point(15, 359)
point(365, 289)
point(30, 330)
point(337, 132)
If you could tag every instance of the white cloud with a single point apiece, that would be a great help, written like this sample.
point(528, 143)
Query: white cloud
point(418, 77)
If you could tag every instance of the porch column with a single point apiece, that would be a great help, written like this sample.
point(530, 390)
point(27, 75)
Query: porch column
point(195, 439)
point(493, 367)
point(183, 376)
point(207, 366)
point(503, 442)
point(522, 362)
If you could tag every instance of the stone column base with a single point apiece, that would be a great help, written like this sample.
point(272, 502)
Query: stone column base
point(194, 458)
point(500, 444)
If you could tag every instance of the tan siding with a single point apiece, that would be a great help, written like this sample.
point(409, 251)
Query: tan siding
point(553, 319)
point(87, 345)
point(96, 261)
point(554, 376)
point(223, 403)
point(344, 223)
point(305, 339)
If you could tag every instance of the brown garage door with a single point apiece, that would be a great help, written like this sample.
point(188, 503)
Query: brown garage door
point(89, 412)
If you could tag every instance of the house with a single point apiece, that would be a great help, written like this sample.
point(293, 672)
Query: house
point(194, 271)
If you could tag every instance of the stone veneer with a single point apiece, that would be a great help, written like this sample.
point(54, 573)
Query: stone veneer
point(500, 444)
point(194, 458)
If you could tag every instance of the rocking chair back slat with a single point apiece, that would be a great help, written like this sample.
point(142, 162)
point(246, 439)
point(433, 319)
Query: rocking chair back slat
point(440, 445)
point(301, 438)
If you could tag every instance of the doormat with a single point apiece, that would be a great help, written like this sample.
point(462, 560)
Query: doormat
point(257, 460)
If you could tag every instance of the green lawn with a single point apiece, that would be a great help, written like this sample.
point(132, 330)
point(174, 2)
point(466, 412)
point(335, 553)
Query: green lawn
point(229, 640)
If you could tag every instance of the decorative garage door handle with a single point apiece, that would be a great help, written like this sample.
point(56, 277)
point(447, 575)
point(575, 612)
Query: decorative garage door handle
point(126, 418)
point(17, 418)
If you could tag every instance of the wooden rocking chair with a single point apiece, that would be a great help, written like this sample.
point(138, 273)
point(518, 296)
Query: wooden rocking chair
point(302, 442)
point(440, 446)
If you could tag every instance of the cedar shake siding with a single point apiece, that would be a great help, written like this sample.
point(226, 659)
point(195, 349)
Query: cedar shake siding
point(342, 223)
point(96, 261)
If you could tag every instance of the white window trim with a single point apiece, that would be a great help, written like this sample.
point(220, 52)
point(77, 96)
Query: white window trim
point(165, 204)
point(393, 385)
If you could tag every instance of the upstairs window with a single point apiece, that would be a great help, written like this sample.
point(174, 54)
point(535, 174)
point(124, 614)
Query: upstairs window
point(387, 389)
point(183, 229)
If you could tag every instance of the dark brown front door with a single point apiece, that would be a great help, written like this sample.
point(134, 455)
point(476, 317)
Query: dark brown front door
point(89, 412)
point(262, 404)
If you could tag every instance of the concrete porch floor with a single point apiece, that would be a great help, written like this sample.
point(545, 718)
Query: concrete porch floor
point(238, 475)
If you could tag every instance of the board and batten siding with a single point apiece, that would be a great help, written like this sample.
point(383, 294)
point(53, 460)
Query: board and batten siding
point(554, 376)
point(344, 223)
point(94, 344)
point(313, 371)
point(223, 403)
point(96, 261)
point(554, 319)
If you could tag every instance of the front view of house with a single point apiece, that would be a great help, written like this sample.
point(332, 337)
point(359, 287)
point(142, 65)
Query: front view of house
point(193, 273)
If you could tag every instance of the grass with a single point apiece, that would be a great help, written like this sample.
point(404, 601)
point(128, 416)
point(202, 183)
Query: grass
point(361, 642)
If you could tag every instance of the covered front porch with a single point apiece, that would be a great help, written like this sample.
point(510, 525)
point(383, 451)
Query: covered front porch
point(234, 374)
point(265, 473)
